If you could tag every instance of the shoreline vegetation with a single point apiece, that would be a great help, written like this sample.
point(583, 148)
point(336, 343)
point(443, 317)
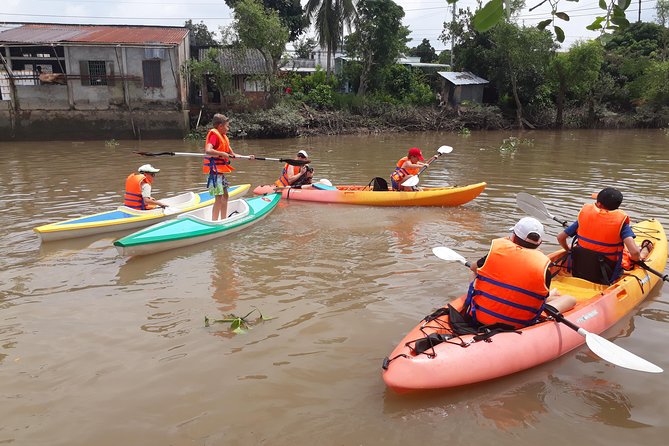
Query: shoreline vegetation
point(300, 120)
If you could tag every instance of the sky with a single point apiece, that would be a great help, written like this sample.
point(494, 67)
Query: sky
point(424, 18)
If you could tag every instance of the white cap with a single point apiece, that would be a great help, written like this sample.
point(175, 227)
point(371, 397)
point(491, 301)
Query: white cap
point(303, 153)
point(148, 168)
point(527, 226)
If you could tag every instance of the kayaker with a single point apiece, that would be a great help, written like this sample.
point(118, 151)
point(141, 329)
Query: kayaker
point(296, 175)
point(603, 239)
point(138, 189)
point(406, 167)
point(217, 163)
point(513, 280)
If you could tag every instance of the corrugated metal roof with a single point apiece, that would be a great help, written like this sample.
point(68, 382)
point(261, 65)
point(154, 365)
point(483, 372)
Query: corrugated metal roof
point(462, 77)
point(237, 61)
point(96, 34)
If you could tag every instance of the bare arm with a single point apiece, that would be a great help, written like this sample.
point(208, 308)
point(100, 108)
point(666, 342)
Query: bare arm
point(562, 240)
point(635, 252)
point(209, 150)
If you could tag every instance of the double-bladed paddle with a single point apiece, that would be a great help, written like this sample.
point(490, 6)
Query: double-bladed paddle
point(536, 208)
point(603, 348)
point(413, 180)
point(292, 162)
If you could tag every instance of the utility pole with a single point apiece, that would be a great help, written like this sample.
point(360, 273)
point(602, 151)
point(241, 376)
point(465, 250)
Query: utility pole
point(452, 36)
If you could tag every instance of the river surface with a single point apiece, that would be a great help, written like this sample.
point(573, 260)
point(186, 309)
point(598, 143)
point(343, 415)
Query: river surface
point(97, 349)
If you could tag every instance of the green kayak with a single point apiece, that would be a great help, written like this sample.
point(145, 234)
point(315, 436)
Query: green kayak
point(197, 227)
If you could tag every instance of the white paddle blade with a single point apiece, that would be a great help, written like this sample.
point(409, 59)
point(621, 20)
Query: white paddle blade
point(445, 149)
point(610, 352)
point(532, 206)
point(448, 254)
point(411, 181)
point(325, 181)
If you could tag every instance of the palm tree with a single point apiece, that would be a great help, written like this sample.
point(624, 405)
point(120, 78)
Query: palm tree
point(331, 16)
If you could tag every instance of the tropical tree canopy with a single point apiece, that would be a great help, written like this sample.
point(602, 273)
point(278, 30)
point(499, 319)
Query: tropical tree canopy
point(290, 12)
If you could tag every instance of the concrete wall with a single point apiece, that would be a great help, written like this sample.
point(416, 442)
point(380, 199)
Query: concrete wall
point(122, 109)
point(45, 125)
point(42, 97)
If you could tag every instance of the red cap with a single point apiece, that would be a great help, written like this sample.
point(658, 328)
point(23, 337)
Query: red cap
point(415, 151)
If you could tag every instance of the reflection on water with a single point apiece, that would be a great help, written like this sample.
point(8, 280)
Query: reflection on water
point(88, 336)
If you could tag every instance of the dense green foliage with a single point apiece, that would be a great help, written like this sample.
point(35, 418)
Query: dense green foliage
point(290, 12)
point(378, 40)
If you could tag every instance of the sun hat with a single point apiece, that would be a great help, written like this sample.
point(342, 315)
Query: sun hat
point(415, 151)
point(148, 168)
point(303, 153)
point(527, 226)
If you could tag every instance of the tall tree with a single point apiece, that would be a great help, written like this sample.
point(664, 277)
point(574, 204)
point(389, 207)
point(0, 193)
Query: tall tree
point(330, 17)
point(290, 12)
point(523, 55)
point(304, 47)
point(576, 72)
point(200, 34)
point(262, 29)
point(379, 38)
point(425, 51)
point(662, 10)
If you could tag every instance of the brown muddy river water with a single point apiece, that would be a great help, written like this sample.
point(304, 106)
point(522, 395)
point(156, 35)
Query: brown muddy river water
point(100, 350)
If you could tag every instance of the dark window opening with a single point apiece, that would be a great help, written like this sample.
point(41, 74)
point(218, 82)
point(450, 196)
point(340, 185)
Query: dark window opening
point(151, 70)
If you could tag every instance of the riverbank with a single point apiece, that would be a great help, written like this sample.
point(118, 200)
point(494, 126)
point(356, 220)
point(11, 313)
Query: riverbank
point(289, 121)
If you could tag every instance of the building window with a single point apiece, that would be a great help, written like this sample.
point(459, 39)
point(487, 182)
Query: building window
point(97, 72)
point(152, 78)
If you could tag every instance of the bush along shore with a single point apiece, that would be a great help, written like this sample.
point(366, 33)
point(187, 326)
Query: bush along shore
point(301, 120)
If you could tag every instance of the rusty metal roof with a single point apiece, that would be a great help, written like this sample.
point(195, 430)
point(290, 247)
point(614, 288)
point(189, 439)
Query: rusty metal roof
point(93, 34)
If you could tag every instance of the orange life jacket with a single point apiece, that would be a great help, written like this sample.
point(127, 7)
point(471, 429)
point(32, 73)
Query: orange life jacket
point(401, 172)
point(215, 164)
point(599, 230)
point(133, 191)
point(510, 287)
point(287, 170)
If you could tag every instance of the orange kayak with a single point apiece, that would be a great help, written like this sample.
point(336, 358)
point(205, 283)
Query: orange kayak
point(437, 196)
point(450, 364)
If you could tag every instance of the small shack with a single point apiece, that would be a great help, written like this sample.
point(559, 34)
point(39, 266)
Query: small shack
point(462, 86)
point(249, 78)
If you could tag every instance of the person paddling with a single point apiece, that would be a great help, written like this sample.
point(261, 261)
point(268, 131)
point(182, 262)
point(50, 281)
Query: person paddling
point(296, 175)
point(138, 189)
point(406, 167)
point(512, 282)
point(603, 240)
point(217, 163)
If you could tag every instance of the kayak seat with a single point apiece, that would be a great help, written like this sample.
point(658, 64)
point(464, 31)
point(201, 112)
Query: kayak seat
point(378, 184)
point(591, 266)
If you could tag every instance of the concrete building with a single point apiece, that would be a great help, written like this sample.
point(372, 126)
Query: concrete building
point(93, 82)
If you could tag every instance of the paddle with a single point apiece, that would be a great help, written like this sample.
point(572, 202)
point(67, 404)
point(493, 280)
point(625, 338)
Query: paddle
point(413, 180)
point(643, 265)
point(536, 208)
point(603, 348)
point(261, 158)
point(323, 181)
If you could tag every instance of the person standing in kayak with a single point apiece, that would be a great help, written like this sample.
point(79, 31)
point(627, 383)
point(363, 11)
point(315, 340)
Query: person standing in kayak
point(216, 164)
point(406, 167)
point(512, 281)
point(296, 175)
point(604, 241)
point(138, 189)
